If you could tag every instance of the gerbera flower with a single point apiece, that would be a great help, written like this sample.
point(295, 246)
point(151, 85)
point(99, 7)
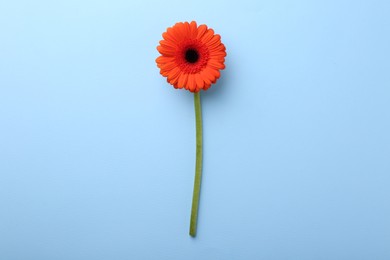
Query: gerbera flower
point(191, 56)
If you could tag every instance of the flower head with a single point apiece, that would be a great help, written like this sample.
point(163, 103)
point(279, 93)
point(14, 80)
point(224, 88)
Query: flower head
point(191, 56)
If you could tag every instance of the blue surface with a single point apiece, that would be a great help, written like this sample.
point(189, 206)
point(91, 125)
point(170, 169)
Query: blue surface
point(97, 151)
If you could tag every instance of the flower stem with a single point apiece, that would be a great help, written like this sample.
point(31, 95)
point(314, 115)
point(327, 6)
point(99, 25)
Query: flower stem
point(198, 165)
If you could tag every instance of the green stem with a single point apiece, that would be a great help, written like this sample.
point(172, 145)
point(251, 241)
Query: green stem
point(198, 165)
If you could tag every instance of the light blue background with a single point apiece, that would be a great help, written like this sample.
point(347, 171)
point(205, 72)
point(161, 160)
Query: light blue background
point(97, 151)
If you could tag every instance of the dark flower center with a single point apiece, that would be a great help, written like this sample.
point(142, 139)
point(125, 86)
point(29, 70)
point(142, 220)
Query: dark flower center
point(191, 55)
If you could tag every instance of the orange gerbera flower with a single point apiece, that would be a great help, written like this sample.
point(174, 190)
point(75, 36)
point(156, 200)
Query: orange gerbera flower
point(191, 56)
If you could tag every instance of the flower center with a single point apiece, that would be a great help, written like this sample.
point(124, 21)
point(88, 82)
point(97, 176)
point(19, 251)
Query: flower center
point(191, 55)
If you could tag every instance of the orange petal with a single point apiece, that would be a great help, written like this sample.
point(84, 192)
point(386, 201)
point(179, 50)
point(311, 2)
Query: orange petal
point(201, 30)
point(220, 47)
point(206, 86)
point(176, 32)
point(168, 44)
point(218, 59)
point(169, 37)
point(206, 76)
point(199, 81)
point(174, 85)
point(168, 66)
point(217, 55)
point(187, 30)
point(183, 80)
point(173, 78)
point(191, 84)
point(162, 59)
point(208, 35)
point(215, 40)
point(193, 30)
point(165, 51)
point(215, 73)
point(215, 64)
